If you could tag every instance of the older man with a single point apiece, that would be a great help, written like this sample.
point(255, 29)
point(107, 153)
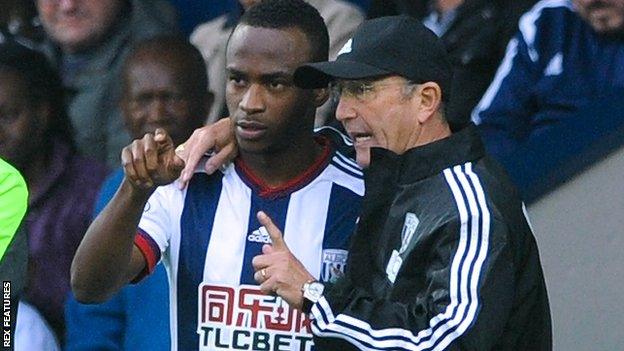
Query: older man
point(89, 40)
point(443, 257)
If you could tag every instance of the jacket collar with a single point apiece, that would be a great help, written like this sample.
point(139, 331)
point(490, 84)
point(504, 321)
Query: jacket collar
point(427, 160)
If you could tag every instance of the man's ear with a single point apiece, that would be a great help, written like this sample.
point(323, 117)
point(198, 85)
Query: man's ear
point(428, 96)
point(320, 96)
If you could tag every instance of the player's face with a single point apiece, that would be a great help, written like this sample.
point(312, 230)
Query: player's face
point(21, 128)
point(78, 24)
point(267, 110)
point(376, 113)
point(605, 16)
point(157, 96)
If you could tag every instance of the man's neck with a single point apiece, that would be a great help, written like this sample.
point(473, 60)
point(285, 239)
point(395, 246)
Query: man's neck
point(435, 129)
point(278, 168)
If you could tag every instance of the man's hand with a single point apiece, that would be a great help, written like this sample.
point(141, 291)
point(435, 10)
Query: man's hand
point(217, 137)
point(151, 161)
point(277, 269)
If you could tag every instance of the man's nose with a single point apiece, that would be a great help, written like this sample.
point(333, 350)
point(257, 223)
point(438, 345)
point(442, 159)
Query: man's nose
point(156, 110)
point(345, 109)
point(253, 101)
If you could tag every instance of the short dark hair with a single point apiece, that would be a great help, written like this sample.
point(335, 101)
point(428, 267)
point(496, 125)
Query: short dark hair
point(280, 14)
point(172, 48)
point(43, 85)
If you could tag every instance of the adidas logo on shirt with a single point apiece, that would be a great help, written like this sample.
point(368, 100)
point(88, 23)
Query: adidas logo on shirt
point(260, 235)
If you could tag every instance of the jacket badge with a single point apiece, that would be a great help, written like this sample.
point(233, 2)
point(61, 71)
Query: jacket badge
point(409, 229)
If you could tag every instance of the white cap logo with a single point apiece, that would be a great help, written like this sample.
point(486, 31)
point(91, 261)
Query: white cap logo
point(346, 48)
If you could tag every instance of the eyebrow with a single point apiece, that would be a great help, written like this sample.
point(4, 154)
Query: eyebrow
point(266, 76)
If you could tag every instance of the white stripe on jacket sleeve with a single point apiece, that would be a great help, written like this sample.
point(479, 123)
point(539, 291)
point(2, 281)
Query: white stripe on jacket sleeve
point(465, 272)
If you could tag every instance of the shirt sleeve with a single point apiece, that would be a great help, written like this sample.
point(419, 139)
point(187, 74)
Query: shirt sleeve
point(13, 203)
point(155, 229)
point(467, 278)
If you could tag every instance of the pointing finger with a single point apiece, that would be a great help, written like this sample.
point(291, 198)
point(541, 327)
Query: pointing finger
point(164, 141)
point(277, 239)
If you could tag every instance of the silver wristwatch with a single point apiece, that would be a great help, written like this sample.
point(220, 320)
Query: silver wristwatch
point(312, 292)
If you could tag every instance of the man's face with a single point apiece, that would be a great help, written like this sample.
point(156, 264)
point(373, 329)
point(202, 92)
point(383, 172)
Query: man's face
point(21, 128)
point(157, 96)
point(605, 16)
point(268, 111)
point(377, 113)
point(78, 24)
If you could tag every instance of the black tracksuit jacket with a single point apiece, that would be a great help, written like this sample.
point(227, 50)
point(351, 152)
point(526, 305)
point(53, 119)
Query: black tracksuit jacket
point(468, 276)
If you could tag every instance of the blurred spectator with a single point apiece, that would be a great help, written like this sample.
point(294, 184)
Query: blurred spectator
point(164, 86)
point(192, 12)
point(364, 5)
point(88, 41)
point(35, 136)
point(341, 18)
point(414, 8)
point(475, 33)
point(19, 18)
point(558, 92)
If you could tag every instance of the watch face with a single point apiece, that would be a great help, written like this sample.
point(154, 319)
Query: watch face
point(315, 290)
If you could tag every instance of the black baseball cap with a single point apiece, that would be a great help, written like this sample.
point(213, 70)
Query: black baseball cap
point(399, 45)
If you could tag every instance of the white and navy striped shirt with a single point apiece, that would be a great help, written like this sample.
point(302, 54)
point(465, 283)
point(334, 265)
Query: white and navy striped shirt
point(209, 233)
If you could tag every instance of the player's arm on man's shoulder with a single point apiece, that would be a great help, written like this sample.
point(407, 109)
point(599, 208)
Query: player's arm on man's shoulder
point(107, 258)
point(463, 311)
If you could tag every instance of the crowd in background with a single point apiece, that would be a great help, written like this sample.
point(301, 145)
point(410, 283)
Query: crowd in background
point(80, 79)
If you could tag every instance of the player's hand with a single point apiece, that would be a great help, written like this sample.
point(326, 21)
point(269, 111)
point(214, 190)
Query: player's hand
point(218, 137)
point(151, 161)
point(278, 271)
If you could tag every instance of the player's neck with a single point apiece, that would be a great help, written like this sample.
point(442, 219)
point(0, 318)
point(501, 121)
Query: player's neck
point(278, 168)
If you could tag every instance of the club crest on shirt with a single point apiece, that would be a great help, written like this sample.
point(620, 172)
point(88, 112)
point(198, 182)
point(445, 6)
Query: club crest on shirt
point(333, 264)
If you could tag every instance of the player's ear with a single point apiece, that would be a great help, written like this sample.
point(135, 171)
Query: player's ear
point(320, 96)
